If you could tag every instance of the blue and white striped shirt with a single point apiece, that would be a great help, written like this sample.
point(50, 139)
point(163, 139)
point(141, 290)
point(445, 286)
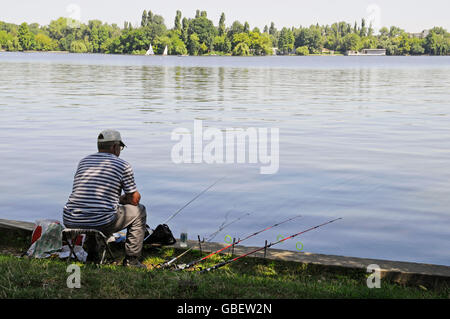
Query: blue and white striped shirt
point(97, 186)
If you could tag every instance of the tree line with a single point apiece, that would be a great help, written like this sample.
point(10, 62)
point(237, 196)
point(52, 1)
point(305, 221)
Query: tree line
point(199, 36)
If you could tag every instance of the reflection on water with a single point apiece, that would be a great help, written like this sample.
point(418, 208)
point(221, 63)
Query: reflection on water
point(365, 138)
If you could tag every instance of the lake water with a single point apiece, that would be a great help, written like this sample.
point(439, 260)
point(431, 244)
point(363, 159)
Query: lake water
point(363, 138)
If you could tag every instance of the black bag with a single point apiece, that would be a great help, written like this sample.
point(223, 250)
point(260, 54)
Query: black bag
point(161, 235)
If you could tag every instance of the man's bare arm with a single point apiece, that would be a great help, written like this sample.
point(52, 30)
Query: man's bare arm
point(130, 199)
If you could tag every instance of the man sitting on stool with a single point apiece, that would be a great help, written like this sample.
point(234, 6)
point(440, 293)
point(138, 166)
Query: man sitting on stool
point(95, 202)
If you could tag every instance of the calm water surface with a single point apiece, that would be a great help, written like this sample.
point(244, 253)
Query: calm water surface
point(363, 138)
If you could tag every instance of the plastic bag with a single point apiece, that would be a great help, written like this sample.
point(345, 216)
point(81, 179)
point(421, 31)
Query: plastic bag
point(46, 238)
point(78, 250)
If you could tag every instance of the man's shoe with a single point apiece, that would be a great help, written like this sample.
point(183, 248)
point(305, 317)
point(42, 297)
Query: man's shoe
point(133, 261)
point(93, 257)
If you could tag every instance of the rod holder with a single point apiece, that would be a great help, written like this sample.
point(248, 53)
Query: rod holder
point(200, 244)
point(232, 247)
point(265, 249)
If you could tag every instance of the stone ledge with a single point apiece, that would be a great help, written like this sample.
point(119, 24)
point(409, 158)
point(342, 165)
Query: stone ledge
point(408, 273)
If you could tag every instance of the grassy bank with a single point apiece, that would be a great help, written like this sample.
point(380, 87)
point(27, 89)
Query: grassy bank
point(247, 278)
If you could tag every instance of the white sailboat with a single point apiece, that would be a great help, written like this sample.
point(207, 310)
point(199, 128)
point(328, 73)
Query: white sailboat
point(150, 51)
point(165, 51)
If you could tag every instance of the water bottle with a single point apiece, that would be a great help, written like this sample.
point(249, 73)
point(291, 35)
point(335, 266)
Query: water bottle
point(183, 239)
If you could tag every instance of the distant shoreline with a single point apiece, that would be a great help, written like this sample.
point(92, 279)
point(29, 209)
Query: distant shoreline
point(224, 55)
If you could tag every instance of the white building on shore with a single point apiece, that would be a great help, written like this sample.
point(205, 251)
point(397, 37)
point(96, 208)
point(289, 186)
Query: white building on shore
point(368, 52)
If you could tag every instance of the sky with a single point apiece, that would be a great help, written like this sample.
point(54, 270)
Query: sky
point(410, 15)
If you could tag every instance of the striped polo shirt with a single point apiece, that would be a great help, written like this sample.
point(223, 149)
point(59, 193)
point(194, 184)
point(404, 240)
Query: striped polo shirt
point(97, 186)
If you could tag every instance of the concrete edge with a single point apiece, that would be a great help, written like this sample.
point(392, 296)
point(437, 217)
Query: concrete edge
point(14, 224)
point(407, 273)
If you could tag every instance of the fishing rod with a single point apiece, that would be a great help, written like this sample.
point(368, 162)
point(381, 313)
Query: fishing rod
point(192, 263)
point(197, 196)
point(185, 205)
point(265, 247)
point(222, 227)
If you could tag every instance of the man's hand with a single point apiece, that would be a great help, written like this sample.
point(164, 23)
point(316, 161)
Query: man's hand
point(130, 199)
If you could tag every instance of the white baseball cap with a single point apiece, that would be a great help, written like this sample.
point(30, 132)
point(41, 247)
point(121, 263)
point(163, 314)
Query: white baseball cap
point(110, 136)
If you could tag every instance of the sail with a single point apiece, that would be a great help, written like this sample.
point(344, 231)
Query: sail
point(165, 51)
point(150, 51)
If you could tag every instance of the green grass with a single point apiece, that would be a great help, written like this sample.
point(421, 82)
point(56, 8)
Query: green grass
point(246, 278)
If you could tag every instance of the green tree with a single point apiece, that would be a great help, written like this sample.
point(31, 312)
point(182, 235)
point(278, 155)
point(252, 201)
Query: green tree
point(331, 42)
point(437, 42)
point(112, 45)
point(286, 41)
point(242, 37)
point(302, 50)
point(222, 24)
point(260, 44)
point(199, 36)
point(175, 45)
point(236, 27)
point(370, 31)
point(351, 42)
point(205, 30)
point(155, 28)
point(58, 28)
point(241, 49)
point(149, 17)
point(203, 48)
point(78, 46)
point(384, 33)
point(144, 18)
point(193, 44)
point(4, 38)
point(363, 30)
point(178, 21)
point(392, 46)
point(34, 28)
point(45, 43)
point(311, 37)
point(95, 39)
point(221, 43)
point(246, 27)
point(26, 38)
point(185, 30)
point(160, 43)
point(14, 45)
point(272, 29)
point(395, 32)
point(369, 42)
point(404, 44)
point(417, 46)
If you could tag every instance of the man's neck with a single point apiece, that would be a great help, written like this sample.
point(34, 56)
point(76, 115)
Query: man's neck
point(108, 152)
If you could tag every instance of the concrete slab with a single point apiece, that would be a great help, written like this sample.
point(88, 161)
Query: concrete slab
point(397, 271)
point(14, 224)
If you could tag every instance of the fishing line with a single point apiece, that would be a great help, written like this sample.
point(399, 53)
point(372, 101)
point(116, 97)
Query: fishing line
point(221, 227)
point(197, 196)
point(265, 247)
point(192, 263)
